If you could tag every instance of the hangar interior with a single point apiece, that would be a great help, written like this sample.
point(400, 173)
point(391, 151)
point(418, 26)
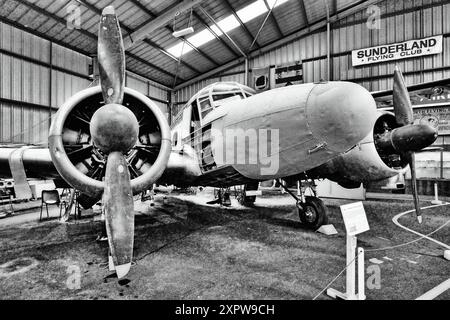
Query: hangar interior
point(48, 53)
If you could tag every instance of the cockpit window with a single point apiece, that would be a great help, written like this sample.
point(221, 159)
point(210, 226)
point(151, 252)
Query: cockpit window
point(216, 94)
point(220, 98)
point(205, 106)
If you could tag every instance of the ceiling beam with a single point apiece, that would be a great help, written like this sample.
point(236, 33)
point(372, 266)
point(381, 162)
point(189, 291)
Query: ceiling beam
point(203, 22)
point(304, 13)
point(160, 21)
point(243, 26)
point(139, 59)
point(54, 17)
point(289, 38)
point(85, 32)
point(274, 20)
point(334, 6)
point(147, 41)
point(223, 31)
point(171, 30)
point(16, 25)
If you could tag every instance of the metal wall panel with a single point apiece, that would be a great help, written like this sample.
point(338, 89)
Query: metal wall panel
point(25, 79)
point(148, 88)
point(23, 43)
point(70, 60)
point(23, 124)
point(64, 86)
point(137, 84)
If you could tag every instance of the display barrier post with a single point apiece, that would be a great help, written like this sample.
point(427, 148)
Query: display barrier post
point(436, 197)
point(355, 221)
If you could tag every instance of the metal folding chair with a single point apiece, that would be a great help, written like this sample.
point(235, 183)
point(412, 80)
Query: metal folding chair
point(50, 197)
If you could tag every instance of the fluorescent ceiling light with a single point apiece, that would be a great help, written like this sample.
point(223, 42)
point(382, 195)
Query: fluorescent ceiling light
point(227, 24)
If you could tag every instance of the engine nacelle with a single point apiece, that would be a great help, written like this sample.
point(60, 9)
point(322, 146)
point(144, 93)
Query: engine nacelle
point(365, 162)
point(82, 164)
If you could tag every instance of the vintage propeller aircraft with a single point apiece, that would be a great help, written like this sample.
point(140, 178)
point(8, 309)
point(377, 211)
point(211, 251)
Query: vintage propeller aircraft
point(111, 142)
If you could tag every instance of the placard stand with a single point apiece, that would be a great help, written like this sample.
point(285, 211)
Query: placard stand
point(355, 221)
point(350, 290)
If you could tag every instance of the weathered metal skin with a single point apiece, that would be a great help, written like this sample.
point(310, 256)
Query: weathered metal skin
point(120, 223)
point(111, 57)
point(182, 168)
point(362, 164)
point(37, 162)
point(315, 122)
point(114, 127)
point(91, 186)
point(407, 138)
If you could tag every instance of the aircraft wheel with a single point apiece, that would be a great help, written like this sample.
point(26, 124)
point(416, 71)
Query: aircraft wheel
point(312, 213)
point(246, 201)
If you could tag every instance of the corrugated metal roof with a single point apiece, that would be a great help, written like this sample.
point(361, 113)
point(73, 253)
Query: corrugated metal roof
point(50, 18)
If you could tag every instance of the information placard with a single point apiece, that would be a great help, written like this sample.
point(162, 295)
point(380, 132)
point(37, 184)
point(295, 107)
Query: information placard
point(355, 218)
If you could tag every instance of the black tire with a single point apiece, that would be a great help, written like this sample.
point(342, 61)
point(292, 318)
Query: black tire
point(246, 201)
point(312, 213)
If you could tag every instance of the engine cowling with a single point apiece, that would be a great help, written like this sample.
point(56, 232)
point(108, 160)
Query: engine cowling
point(365, 162)
point(82, 164)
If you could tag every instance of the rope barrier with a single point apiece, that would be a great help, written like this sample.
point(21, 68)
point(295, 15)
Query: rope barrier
point(388, 248)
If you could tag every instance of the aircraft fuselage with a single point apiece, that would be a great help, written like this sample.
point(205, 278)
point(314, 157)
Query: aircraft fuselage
point(278, 133)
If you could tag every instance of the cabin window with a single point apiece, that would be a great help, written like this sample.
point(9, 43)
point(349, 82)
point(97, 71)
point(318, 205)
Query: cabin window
point(175, 139)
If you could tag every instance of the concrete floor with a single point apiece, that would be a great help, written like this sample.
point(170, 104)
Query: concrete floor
point(187, 250)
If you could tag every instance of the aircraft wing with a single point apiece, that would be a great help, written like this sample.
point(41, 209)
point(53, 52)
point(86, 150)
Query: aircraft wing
point(35, 160)
point(422, 93)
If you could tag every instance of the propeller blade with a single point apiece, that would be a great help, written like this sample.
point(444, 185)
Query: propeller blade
point(402, 104)
point(119, 214)
point(412, 165)
point(111, 57)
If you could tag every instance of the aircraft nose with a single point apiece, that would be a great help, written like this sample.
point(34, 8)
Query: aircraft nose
point(340, 114)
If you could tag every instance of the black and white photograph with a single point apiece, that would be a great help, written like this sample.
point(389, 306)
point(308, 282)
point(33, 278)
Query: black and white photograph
point(225, 158)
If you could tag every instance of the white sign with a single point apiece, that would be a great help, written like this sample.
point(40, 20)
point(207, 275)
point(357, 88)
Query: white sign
point(396, 51)
point(251, 193)
point(355, 218)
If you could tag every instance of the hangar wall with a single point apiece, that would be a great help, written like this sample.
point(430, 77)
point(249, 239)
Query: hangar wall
point(157, 94)
point(31, 70)
point(399, 21)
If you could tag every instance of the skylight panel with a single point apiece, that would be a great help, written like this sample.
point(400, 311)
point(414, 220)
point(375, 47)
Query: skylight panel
point(176, 49)
point(200, 38)
point(251, 11)
point(271, 3)
point(227, 24)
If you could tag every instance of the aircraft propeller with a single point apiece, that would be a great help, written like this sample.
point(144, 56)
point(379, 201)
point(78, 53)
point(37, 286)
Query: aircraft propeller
point(114, 130)
point(408, 137)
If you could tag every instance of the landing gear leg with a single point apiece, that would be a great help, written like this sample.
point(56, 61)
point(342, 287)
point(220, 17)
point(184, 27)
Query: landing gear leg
point(311, 210)
point(242, 197)
point(222, 197)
